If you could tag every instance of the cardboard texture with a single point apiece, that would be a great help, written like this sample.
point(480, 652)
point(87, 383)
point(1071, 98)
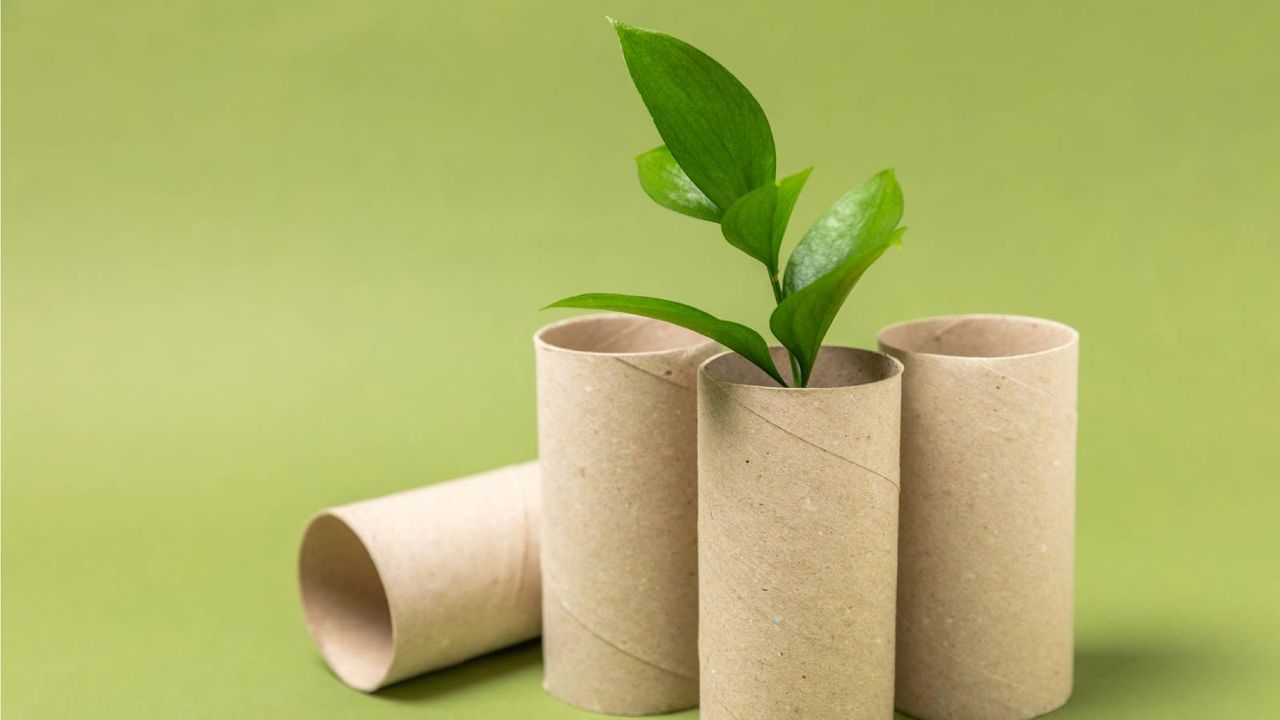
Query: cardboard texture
point(797, 538)
point(988, 515)
point(412, 582)
point(617, 442)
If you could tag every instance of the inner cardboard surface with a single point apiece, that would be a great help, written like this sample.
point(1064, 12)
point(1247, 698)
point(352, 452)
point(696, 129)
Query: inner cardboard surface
point(613, 334)
point(345, 602)
point(978, 336)
point(836, 367)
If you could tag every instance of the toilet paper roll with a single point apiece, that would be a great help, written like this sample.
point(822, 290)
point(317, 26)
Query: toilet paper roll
point(416, 581)
point(797, 538)
point(988, 515)
point(617, 439)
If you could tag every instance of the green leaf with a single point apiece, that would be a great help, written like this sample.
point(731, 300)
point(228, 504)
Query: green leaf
point(800, 322)
point(788, 193)
point(739, 338)
point(865, 214)
point(665, 181)
point(756, 223)
point(748, 225)
point(712, 125)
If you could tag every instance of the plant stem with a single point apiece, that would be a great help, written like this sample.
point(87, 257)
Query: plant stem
point(777, 288)
point(796, 380)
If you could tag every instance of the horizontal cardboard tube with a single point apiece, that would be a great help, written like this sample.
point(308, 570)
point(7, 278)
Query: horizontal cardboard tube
point(987, 540)
point(797, 538)
point(420, 580)
point(617, 439)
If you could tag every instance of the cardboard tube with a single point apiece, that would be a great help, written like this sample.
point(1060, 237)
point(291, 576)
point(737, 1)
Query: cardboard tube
point(988, 515)
point(412, 582)
point(797, 538)
point(617, 442)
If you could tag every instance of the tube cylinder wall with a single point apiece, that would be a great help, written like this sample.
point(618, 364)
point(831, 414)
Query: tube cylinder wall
point(797, 538)
point(416, 581)
point(988, 515)
point(617, 440)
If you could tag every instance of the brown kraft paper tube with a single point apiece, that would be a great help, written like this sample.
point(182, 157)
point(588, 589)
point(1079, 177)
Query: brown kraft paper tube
point(797, 538)
point(988, 515)
point(617, 440)
point(408, 583)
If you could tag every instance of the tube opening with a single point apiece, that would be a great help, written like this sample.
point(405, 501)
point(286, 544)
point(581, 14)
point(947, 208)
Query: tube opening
point(985, 336)
point(615, 334)
point(836, 367)
point(345, 603)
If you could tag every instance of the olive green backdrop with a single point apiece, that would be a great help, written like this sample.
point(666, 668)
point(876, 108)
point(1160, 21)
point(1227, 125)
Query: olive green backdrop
point(265, 257)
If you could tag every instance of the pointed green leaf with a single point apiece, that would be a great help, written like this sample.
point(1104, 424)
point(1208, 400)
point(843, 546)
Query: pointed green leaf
point(711, 124)
point(748, 225)
point(788, 193)
point(739, 338)
point(866, 213)
point(756, 223)
point(800, 322)
point(665, 181)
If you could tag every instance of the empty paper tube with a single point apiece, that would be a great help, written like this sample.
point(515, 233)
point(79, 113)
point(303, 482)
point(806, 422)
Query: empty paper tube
point(617, 439)
point(416, 581)
point(988, 515)
point(797, 538)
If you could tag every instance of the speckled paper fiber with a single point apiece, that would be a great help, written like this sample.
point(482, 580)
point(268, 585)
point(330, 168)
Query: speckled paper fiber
point(617, 439)
point(413, 582)
point(988, 515)
point(798, 533)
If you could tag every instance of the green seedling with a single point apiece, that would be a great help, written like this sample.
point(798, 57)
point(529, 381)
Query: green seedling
point(718, 164)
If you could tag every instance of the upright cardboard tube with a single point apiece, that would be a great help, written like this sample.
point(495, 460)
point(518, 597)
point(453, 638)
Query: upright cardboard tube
point(797, 538)
point(988, 515)
point(617, 439)
point(420, 580)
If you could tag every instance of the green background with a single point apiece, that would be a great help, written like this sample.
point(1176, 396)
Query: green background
point(265, 257)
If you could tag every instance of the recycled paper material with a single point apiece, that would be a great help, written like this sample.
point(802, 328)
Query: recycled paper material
point(797, 538)
point(416, 581)
point(988, 515)
point(617, 439)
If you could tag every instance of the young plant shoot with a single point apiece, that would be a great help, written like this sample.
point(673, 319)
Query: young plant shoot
point(718, 164)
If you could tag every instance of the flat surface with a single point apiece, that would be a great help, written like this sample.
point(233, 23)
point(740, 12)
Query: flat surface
point(261, 258)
